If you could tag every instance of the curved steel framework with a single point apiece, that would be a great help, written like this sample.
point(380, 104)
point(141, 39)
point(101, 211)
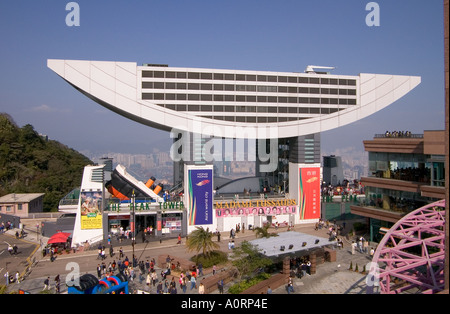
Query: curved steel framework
point(411, 255)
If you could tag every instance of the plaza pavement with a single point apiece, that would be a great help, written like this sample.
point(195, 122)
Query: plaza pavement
point(330, 277)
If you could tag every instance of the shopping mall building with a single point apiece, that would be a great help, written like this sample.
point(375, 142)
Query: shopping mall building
point(274, 117)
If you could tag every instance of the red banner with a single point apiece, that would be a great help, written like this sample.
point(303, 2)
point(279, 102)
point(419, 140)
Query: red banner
point(309, 193)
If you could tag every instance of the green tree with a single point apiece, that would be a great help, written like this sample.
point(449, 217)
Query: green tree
point(201, 240)
point(263, 232)
point(248, 259)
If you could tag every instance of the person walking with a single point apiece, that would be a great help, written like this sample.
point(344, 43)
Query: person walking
point(193, 282)
point(201, 289)
point(46, 284)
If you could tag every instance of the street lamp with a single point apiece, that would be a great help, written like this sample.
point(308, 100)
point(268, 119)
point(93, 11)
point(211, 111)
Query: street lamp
point(133, 221)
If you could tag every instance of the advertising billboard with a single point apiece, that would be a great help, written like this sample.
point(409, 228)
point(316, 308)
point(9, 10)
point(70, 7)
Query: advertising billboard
point(200, 191)
point(91, 213)
point(309, 193)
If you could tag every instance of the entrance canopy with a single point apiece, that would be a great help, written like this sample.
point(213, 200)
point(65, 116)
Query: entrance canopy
point(290, 243)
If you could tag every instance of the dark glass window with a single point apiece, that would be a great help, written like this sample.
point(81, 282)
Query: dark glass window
point(159, 74)
point(147, 84)
point(351, 101)
point(303, 110)
point(170, 85)
point(351, 92)
point(228, 118)
point(342, 92)
point(240, 98)
point(218, 108)
point(193, 97)
point(229, 97)
point(206, 76)
point(170, 74)
point(303, 80)
point(229, 108)
point(193, 75)
point(282, 99)
point(342, 101)
point(262, 78)
point(261, 109)
point(206, 108)
point(181, 75)
point(206, 86)
point(271, 78)
point(325, 101)
point(314, 110)
point(218, 76)
point(240, 77)
point(251, 77)
point(229, 77)
point(333, 110)
point(262, 98)
point(282, 110)
point(158, 96)
point(342, 82)
point(333, 101)
point(240, 119)
point(272, 99)
point(251, 98)
point(147, 96)
point(282, 89)
point(229, 88)
point(333, 81)
point(271, 119)
point(351, 82)
point(251, 88)
point(333, 91)
point(147, 73)
point(218, 97)
point(206, 97)
point(304, 100)
point(272, 109)
point(262, 119)
point(193, 107)
point(292, 90)
point(282, 79)
point(325, 91)
point(181, 85)
point(292, 79)
point(171, 107)
point(251, 119)
point(303, 90)
point(240, 88)
point(314, 90)
point(194, 86)
point(251, 108)
point(218, 86)
point(171, 96)
point(181, 107)
point(158, 85)
point(181, 96)
point(314, 80)
point(324, 81)
point(292, 110)
point(324, 110)
point(314, 100)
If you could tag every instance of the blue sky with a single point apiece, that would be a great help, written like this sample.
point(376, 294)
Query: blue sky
point(283, 35)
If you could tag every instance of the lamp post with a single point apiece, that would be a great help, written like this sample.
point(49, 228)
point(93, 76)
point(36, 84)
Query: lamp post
point(133, 221)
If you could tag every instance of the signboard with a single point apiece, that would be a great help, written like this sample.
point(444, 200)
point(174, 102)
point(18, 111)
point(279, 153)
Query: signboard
point(256, 211)
point(200, 196)
point(91, 213)
point(309, 193)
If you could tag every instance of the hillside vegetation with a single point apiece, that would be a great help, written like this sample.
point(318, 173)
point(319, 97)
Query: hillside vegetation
point(31, 164)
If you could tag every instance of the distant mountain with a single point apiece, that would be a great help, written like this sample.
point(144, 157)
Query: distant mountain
point(30, 163)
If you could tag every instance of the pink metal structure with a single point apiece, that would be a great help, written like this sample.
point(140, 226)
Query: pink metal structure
point(411, 254)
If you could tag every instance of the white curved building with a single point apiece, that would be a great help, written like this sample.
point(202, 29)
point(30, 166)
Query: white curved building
point(233, 103)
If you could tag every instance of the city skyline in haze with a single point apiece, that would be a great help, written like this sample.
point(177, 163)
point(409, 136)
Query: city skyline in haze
point(254, 35)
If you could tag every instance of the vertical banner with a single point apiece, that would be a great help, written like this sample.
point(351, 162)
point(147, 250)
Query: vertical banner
point(91, 210)
point(200, 196)
point(309, 193)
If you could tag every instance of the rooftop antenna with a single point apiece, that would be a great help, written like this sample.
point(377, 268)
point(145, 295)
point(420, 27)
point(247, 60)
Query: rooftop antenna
point(312, 69)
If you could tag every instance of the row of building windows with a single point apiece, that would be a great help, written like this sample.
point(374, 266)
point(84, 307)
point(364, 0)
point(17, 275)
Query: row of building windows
point(248, 77)
point(249, 88)
point(252, 109)
point(249, 99)
point(253, 119)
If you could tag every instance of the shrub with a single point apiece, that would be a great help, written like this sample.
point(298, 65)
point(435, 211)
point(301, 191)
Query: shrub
point(208, 260)
point(245, 284)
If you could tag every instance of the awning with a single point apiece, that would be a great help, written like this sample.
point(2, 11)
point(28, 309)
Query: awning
point(59, 237)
